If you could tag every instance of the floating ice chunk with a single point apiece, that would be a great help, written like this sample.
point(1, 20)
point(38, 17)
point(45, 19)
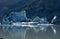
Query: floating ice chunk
point(44, 21)
point(54, 18)
point(36, 19)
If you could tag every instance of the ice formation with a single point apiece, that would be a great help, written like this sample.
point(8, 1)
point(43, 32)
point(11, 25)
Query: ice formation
point(18, 22)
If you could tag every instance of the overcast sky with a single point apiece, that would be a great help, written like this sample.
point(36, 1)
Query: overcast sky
point(32, 6)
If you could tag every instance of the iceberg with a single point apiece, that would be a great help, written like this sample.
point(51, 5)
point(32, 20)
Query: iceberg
point(15, 17)
point(36, 19)
point(41, 21)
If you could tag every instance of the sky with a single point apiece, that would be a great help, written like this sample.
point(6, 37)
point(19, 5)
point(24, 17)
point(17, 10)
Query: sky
point(42, 8)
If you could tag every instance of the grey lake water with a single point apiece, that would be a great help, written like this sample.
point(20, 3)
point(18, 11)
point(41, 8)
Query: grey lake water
point(18, 32)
